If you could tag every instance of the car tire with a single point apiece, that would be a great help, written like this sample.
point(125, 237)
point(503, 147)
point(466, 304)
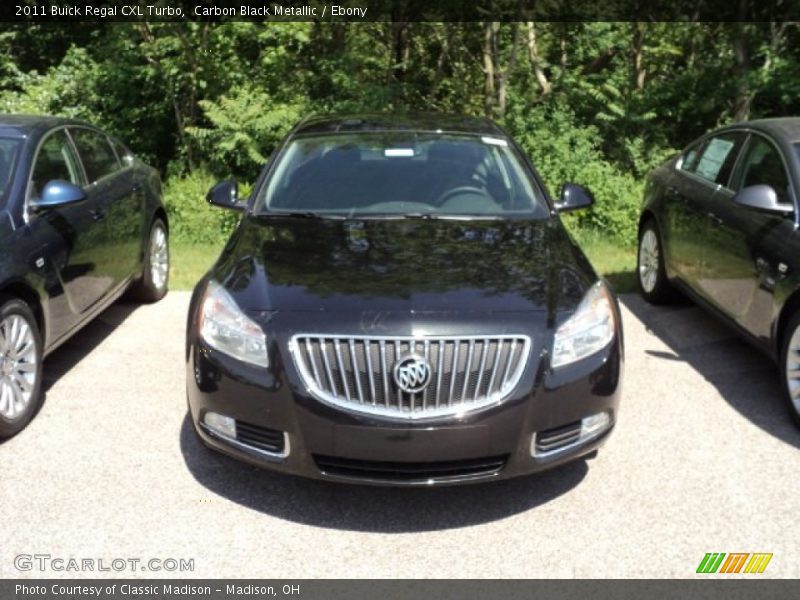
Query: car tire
point(651, 274)
point(790, 367)
point(155, 276)
point(20, 366)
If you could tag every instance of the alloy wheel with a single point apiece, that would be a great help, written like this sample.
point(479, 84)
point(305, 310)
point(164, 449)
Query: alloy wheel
point(18, 366)
point(792, 368)
point(159, 257)
point(648, 260)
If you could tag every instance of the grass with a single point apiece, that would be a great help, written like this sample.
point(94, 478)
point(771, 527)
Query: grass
point(614, 261)
point(189, 262)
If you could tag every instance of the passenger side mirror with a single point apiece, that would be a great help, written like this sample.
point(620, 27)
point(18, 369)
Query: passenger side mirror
point(225, 195)
point(573, 197)
point(761, 197)
point(58, 193)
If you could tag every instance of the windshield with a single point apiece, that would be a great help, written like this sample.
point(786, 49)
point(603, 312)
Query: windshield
point(401, 173)
point(8, 158)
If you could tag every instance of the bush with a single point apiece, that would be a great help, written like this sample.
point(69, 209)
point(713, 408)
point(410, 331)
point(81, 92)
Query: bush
point(562, 150)
point(246, 126)
point(191, 218)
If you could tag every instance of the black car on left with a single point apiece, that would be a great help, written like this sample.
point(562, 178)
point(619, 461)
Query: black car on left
point(81, 223)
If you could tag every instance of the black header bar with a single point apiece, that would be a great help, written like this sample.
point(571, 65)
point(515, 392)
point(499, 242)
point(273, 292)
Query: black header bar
point(22, 11)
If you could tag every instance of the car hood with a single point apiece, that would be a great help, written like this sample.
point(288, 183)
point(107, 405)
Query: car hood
point(410, 265)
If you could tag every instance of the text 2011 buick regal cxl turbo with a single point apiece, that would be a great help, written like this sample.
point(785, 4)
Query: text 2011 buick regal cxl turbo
point(400, 304)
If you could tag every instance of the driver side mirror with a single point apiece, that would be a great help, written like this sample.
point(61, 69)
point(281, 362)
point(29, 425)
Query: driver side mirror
point(58, 193)
point(225, 195)
point(761, 197)
point(573, 197)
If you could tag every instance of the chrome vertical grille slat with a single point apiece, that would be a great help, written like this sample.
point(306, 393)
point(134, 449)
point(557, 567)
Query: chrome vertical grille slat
point(427, 358)
point(498, 351)
point(324, 351)
point(439, 372)
point(370, 373)
point(484, 353)
point(355, 369)
point(342, 372)
point(509, 360)
point(466, 372)
point(313, 362)
point(453, 371)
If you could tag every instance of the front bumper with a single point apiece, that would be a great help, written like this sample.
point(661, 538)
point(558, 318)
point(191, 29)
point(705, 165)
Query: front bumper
point(287, 430)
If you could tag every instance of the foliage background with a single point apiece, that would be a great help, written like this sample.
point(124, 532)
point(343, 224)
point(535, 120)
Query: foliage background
point(595, 103)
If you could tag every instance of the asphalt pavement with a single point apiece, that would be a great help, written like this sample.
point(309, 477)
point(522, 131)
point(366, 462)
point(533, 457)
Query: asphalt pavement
point(703, 459)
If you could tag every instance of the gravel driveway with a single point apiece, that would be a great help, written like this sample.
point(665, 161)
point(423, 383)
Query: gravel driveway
point(703, 459)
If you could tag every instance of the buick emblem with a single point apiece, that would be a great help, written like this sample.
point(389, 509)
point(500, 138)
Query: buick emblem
point(412, 374)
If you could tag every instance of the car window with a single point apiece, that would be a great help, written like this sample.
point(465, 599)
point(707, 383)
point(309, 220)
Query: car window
point(762, 164)
point(125, 156)
point(96, 153)
point(689, 161)
point(396, 173)
point(8, 159)
point(56, 160)
point(714, 159)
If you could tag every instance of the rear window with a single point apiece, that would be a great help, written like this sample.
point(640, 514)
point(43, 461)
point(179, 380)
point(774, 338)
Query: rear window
point(399, 173)
point(9, 148)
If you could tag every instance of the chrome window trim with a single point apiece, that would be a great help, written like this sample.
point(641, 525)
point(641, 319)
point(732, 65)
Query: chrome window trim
point(310, 386)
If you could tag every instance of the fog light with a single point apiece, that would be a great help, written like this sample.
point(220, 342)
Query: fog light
point(567, 437)
point(594, 424)
point(220, 424)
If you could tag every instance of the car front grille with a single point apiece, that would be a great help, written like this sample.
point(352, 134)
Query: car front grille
point(358, 373)
point(410, 472)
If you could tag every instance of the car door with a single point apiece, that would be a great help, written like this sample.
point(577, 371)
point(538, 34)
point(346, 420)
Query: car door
point(690, 192)
point(119, 204)
point(746, 244)
point(67, 234)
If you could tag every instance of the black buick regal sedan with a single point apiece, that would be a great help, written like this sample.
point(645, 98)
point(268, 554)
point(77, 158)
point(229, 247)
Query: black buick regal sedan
point(81, 222)
point(720, 222)
point(400, 304)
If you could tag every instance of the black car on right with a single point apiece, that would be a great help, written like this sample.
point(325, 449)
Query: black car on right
point(721, 222)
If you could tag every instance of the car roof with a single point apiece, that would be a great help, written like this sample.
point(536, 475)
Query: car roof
point(420, 122)
point(27, 125)
point(786, 129)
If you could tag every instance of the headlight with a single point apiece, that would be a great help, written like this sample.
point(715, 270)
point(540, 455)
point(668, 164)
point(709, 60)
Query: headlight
point(224, 327)
point(589, 330)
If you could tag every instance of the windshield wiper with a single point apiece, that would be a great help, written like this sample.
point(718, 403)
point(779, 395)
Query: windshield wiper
point(448, 217)
point(306, 214)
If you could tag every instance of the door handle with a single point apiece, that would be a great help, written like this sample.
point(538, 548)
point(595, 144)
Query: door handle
point(714, 219)
point(98, 215)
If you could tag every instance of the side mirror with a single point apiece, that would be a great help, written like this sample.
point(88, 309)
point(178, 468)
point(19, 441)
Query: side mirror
point(225, 195)
point(761, 197)
point(573, 197)
point(58, 193)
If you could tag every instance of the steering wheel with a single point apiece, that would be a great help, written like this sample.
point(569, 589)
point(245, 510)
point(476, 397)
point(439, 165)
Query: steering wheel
point(463, 189)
